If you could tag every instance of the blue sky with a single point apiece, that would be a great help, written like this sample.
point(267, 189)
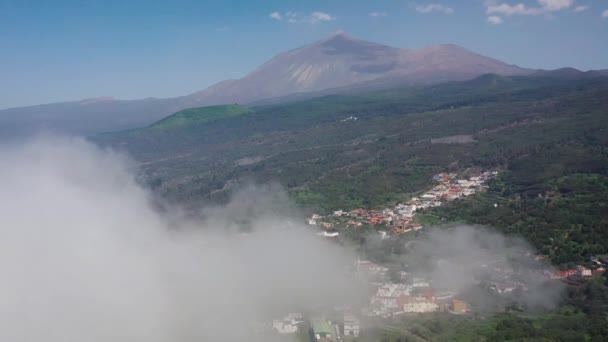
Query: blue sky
point(61, 50)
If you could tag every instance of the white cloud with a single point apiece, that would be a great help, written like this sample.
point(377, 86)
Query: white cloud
point(296, 17)
point(544, 7)
point(276, 15)
point(496, 20)
point(320, 16)
point(434, 8)
point(291, 17)
point(506, 9)
point(377, 14)
point(99, 244)
point(605, 14)
point(555, 5)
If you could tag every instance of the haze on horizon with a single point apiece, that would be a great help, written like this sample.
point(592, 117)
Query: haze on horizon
point(65, 50)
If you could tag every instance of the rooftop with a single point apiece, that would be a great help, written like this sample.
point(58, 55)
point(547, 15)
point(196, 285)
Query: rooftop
point(320, 326)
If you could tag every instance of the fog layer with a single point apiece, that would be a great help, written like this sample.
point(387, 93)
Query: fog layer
point(85, 257)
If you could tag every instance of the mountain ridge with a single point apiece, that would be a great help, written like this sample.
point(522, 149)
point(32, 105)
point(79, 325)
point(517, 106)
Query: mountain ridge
point(340, 61)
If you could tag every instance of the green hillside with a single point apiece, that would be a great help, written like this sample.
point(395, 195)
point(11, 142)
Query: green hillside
point(391, 150)
point(200, 115)
point(540, 132)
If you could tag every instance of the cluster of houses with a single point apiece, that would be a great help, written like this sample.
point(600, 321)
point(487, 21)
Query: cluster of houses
point(579, 271)
point(396, 298)
point(321, 328)
point(598, 266)
point(411, 295)
point(400, 219)
point(417, 297)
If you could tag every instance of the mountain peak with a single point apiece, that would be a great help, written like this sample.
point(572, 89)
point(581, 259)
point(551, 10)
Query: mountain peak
point(339, 38)
point(338, 35)
point(341, 43)
point(97, 100)
point(452, 46)
point(341, 61)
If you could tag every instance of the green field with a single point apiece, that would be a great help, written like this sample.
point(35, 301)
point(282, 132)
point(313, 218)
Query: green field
point(199, 116)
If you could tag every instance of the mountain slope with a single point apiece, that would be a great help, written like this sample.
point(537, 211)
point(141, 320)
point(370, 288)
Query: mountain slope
point(341, 61)
point(570, 73)
point(86, 117)
point(318, 151)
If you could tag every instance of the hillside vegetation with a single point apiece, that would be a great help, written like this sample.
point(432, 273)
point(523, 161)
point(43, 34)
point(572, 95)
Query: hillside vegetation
point(201, 115)
point(374, 149)
point(393, 147)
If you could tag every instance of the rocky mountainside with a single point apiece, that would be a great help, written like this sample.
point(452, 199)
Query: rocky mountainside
point(341, 61)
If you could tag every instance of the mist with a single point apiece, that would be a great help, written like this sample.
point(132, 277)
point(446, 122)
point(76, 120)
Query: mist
point(85, 255)
point(488, 269)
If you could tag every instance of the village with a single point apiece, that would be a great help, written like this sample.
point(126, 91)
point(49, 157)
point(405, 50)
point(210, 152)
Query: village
point(401, 218)
point(408, 293)
point(413, 295)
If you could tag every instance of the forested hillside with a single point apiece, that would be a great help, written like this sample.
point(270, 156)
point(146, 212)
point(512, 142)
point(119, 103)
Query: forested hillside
point(371, 149)
point(548, 136)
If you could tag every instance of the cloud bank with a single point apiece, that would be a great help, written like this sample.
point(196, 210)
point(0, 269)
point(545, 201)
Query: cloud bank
point(299, 18)
point(494, 8)
point(434, 8)
point(85, 255)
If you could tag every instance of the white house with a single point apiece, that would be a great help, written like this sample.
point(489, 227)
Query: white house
point(351, 325)
point(418, 305)
point(283, 326)
point(287, 325)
